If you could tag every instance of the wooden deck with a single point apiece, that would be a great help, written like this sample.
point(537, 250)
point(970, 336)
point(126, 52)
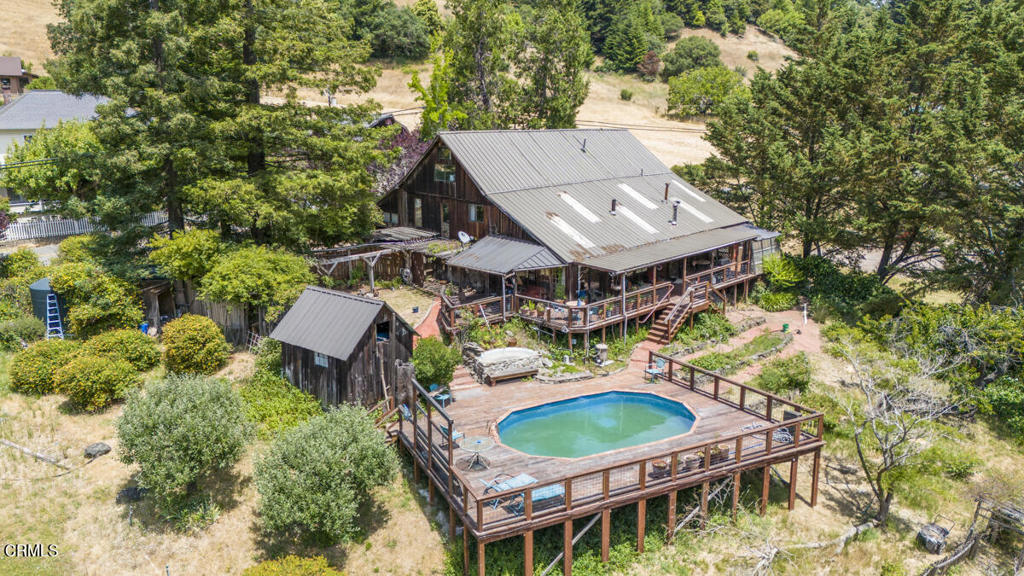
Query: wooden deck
point(739, 428)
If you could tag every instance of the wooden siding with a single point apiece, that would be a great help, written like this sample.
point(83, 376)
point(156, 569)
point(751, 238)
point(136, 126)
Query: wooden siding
point(357, 379)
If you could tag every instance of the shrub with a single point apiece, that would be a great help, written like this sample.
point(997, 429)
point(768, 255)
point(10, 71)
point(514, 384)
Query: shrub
point(792, 374)
point(32, 370)
point(782, 272)
point(94, 382)
point(702, 90)
point(274, 404)
point(1005, 399)
point(96, 301)
point(707, 326)
point(402, 34)
point(82, 248)
point(20, 331)
point(435, 363)
point(180, 430)
point(129, 345)
point(194, 345)
point(268, 357)
point(688, 54)
point(259, 277)
point(776, 301)
point(292, 566)
point(187, 255)
point(18, 263)
point(626, 95)
point(752, 56)
point(316, 476)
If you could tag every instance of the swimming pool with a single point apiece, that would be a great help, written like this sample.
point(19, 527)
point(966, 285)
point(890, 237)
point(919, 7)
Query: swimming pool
point(592, 424)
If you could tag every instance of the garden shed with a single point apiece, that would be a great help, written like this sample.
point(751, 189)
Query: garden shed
point(342, 348)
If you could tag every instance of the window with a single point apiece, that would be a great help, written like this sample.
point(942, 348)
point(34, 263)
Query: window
point(320, 359)
point(383, 331)
point(476, 213)
point(444, 173)
point(417, 212)
point(5, 83)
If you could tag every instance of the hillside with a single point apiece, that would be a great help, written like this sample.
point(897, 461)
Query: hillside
point(672, 141)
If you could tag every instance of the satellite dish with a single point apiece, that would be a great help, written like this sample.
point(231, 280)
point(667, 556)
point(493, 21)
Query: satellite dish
point(464, 238)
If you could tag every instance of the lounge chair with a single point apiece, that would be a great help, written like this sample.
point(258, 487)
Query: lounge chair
point(656, 368)
point(512, 482)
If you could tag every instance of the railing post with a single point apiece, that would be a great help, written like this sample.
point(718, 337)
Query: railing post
point(739, 449)
point(768, 412)
point(568, 493)
point(716, 386)
point(674, 465)
point(605, 484)
point(743, 398)
point(479, 514)
point(796, 434)
point(643, 474)
point(528, 503)
point(693, 379)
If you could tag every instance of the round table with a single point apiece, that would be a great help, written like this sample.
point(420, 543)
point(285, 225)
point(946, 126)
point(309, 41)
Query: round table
point(476, 445)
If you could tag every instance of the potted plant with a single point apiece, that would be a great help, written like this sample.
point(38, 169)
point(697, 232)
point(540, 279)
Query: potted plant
point(692, 462)
point(719, 454)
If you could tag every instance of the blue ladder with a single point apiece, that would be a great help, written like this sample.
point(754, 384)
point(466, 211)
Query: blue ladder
point(54, 328)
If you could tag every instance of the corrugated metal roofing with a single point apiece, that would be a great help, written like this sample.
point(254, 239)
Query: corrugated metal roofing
point(10, 66)
point(326, 321)
point(560, 190)
point(47, 107)
point(506, 160)
point(501, 255)
point(660, 252)
point(762, 234)
point(402, 234)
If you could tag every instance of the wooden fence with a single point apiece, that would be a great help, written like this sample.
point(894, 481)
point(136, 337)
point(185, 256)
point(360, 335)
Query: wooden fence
point(63, 227)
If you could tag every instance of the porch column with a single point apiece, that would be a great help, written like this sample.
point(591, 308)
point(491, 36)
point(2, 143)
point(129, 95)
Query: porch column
point(622, 295)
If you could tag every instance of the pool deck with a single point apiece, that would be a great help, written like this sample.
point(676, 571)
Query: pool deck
point(739, 428)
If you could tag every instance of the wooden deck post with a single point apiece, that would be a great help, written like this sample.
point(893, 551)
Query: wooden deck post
point(814, 480)
point(451, 523)
point(528, 553)
point(567, 548)
point(704, 504)
point(672, 514)
point(641, 525)
point(792, 482)
point(481, 559)
point(764, 488)
point(465, 550)
point(735, 494)
point(606, 528)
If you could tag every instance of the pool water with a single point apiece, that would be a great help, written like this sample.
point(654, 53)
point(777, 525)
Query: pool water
point(593, 424)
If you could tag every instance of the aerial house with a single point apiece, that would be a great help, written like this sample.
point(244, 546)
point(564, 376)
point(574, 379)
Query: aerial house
point(342, 348)
point(577, 231)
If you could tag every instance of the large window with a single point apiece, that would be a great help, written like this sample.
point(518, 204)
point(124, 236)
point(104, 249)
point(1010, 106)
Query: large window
point(476, 213)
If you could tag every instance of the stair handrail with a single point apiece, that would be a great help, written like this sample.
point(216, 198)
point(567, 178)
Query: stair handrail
point(686, 297)
point(667, 296)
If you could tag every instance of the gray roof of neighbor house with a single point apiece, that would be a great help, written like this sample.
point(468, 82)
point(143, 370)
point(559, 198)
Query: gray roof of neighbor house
point(328, 322)
point(501, 255)
point(10, 66)
point(39, 108)
point(559, 185)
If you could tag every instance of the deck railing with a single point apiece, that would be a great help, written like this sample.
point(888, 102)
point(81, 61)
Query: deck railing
point(786, 428)
point(568, 316)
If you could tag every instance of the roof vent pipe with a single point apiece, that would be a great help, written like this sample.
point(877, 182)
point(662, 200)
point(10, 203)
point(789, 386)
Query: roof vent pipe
point(584, 148)
point(666, 192)
point(615, 203)
point(675, 214)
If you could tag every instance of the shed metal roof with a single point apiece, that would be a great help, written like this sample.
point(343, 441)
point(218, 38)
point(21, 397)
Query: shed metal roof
point(660, 252)
point(327, 321)
point(502, 255)
point(48, 107)
point(11, 66)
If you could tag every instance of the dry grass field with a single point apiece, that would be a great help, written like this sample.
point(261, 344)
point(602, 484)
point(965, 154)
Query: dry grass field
point(23, 30)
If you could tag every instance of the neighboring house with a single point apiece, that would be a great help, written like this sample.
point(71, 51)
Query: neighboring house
point(13, 78)
point(579, 230)
point(342, 348)
point(36, 110)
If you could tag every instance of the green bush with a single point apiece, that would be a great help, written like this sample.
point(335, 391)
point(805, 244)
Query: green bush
point(792, 374)
point(688, 54)
point(96, 301)
point(752, 56)
point(316, 476)
point(194, 345)
point(274, 404)
point(435, 363)
point(179, 431)
point(19, 332)
point(129, 345)
point(626, 95)
point(703, 90)
point(82, 248)
point(259, 277)
point(402, 34)
point(782, 272)
point(292, 566)
point(95, 382)
point(268, 357)
point(32, 370)
point(18, 263)
point(726, 363)
point(1005, 398)
point(706, 326)
point(846, 293)
point(776, 301)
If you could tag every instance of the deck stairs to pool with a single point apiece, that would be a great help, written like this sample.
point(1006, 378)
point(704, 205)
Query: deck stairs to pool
point(462, 379)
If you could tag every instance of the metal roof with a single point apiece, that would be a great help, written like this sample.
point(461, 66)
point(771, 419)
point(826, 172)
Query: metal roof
point(558, 185)
point(327, 321)
point(11, 66)
point(402, 234)
point(502, 255)
point(762, 234)
point(660, 252)
point(40, 108)
point(506, 160)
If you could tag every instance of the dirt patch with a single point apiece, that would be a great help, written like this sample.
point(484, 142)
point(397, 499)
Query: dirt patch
point(240, 365)
point(404, 299)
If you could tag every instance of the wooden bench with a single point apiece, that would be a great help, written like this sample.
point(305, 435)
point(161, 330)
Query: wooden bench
point(493, 379)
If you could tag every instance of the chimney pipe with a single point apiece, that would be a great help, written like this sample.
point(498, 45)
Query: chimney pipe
point(666, 191)
point(614, 204)
point(675, 214)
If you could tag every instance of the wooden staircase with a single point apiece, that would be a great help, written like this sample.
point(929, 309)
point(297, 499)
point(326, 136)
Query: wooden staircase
point(670, 320)
point(462, 379)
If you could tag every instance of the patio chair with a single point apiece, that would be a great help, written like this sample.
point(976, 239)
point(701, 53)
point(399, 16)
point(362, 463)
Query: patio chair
point(656, 368)
point(443, 396)
point(521, 481)
point(456, 435)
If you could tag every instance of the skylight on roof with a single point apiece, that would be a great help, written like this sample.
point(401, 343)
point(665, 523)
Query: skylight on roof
point(687, 189)
point(700, 215)
point(636, 219)
point(638, 196)
point(570, 231)
point(583, 210)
